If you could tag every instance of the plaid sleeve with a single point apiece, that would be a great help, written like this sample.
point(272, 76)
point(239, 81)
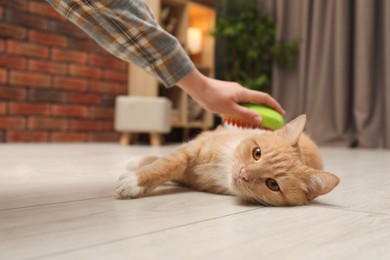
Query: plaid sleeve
point(128, 30)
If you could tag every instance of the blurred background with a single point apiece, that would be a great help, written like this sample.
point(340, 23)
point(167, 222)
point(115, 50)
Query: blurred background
point(327, 59)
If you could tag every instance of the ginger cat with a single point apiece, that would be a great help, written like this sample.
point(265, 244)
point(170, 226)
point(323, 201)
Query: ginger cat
point(276, 168)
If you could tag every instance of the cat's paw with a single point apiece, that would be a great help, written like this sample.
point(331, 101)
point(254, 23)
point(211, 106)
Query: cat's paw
point(134, 163)
point(127, 186)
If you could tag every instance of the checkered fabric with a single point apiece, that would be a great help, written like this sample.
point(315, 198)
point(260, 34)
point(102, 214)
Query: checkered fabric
point(128, 30)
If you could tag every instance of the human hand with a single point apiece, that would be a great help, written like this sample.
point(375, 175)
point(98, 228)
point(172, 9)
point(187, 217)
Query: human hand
point(223, 97)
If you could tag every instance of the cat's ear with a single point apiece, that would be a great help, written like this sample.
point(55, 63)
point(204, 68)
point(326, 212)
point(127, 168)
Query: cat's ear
point(320, 183)
point(292, 131)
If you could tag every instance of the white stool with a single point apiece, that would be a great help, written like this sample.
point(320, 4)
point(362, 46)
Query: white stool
point(136, 114)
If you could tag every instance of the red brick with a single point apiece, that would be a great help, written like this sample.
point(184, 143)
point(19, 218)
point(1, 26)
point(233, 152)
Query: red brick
point(84, 44)
point(50, 96)
point(123, 65)
point(115, 75)
point(69, 111)
point(29, 79)
point(72, 31)
point(47, 38)
point(86, 125)
point(1, 12)
point(105, 137)
point(99, 86)
point(68, 137)
point(20, 5)
point(108, 100)
point(3, 76)
point(28, 49)
point(43, 8)
point(67, 55)
point(46, 123)
point(1, 45)
point(12, 31)
point(87, 99)
point(12, 62)
point(3, 108)
point(29, 108)
point(12, 93)
point(70, 83)
point(103, 113)
point(26, 20)
point(84, 71)
point(106, 61)
point(12, 122)
point(26, 136)
point(107, 125)
point(46, 66)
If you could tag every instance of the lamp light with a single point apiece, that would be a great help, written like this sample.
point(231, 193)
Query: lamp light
point(194, 40)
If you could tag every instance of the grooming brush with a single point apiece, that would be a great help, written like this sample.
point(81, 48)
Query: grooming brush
point(272, 120)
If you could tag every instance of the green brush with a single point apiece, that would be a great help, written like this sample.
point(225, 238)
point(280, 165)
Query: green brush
point(272, 120)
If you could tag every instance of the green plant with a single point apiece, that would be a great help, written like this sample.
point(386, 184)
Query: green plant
point(249, 47)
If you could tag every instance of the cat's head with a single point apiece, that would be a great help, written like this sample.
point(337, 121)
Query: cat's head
point(269, 168)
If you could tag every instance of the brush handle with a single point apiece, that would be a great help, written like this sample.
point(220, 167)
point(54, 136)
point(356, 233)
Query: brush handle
point(272, 120)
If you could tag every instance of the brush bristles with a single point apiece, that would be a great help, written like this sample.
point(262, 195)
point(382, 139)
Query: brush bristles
point(239, 124)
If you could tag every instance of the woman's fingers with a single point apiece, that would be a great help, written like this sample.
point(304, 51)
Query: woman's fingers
point(258, 97)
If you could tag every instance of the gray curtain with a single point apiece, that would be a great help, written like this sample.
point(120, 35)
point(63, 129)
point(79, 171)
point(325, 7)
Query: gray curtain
point(342, 80)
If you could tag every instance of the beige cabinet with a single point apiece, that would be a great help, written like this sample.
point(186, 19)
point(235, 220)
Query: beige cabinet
point(177, 16)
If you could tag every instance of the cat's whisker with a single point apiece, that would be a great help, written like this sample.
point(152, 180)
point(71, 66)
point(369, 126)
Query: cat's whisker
point(255, 197)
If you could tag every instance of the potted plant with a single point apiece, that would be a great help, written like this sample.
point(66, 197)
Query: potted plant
point(248, 46)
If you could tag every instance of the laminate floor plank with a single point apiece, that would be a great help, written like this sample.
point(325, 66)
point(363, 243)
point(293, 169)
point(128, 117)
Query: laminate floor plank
point(57, 201)
point(41, 174)
point(71, 225)
point(267, 233)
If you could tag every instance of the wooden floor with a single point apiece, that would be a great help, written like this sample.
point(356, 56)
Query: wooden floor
point(58, 202)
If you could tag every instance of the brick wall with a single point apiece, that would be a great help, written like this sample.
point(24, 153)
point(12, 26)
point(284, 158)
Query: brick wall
point(56, 84)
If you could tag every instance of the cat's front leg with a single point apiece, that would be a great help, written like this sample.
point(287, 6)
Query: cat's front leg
point(135, 183)
point(127, 185)
point(136, 162)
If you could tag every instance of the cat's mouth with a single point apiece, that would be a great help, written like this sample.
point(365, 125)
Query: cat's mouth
point(237, 185)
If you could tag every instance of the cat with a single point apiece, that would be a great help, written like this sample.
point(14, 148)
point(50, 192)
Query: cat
point(273, 168)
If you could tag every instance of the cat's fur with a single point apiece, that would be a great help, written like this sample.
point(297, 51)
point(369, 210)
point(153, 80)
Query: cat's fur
point(226, 162)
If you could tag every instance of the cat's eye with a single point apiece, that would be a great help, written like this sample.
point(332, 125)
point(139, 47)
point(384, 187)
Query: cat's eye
point(256, 153)
point(272, 184)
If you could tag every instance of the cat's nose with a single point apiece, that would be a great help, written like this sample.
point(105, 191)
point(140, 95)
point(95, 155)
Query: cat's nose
point(243, 175)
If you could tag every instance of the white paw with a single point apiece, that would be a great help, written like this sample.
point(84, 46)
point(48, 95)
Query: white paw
point(133, 163)
point(127, 185)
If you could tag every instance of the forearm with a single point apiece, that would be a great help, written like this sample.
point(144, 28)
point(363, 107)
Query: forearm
point(128, 30)
point(193, 83)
